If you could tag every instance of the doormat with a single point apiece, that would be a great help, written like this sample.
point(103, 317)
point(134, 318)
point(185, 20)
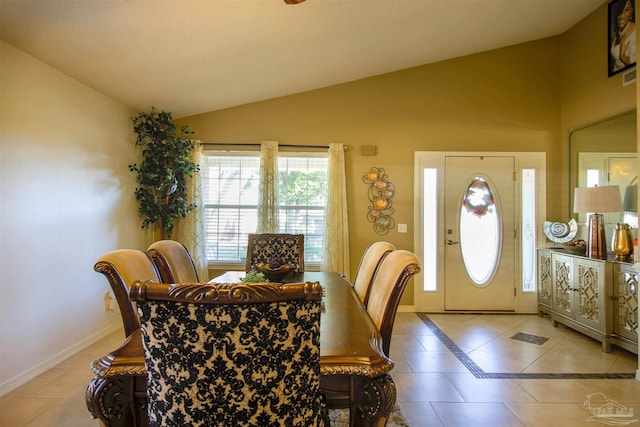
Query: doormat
point(532, 339)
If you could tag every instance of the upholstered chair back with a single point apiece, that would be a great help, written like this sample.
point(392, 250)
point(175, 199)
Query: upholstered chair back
point(232, 354)
point(369, 263)
point(263, 247)
point(173, 261)
point(388, 285)
point(122, 267)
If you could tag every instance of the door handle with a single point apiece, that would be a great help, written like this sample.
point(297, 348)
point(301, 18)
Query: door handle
point(451, 242)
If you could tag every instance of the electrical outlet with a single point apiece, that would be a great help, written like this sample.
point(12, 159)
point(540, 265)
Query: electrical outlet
point(402, 228)
point(108, 301)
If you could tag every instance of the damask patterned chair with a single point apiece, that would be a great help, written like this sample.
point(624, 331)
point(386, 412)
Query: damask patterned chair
point(389, 283)
point(371, 259)
point(263, 247)
point(122, 267)
point(173, 261)
point(232, 354)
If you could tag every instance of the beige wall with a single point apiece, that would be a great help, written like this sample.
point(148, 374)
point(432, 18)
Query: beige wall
point(66, 198)
point(521, 98)
point(502, 100)
point(588, 95)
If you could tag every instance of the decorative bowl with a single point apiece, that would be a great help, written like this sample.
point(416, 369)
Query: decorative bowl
point(274, 274)
point(576, 247)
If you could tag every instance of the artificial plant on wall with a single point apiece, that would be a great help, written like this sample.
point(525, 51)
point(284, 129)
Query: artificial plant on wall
point(165, 166)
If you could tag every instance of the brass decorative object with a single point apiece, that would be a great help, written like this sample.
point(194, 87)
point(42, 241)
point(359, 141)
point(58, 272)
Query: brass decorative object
point(381, 191)
point(621, 244)
point(595, 200)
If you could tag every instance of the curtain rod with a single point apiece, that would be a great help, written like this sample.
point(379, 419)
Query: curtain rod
point(257, 144)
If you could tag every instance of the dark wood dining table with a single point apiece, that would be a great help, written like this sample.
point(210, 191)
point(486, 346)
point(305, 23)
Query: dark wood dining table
point(354, 369)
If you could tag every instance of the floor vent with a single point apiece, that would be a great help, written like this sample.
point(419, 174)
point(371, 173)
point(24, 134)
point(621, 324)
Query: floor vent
point(532, 339)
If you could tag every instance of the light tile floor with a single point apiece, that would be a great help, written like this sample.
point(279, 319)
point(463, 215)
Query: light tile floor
point(435, 388)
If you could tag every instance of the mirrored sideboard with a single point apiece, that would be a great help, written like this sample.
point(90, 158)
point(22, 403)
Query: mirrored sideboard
point(598, 298)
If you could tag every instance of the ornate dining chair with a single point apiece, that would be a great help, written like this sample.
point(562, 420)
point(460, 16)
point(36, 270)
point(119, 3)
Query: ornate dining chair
point(387, 287)
point(173, 261)
point(122, 267)
point(371, 259)
point(250, 355)
point(264, 247)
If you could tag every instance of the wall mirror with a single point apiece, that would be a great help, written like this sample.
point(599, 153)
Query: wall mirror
point(604, 153)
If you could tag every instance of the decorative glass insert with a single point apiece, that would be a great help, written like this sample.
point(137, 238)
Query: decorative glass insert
point(480, 231)
point(628, 303)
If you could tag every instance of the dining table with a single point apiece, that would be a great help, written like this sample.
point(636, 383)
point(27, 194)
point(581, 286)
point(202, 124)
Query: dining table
point(355, 372)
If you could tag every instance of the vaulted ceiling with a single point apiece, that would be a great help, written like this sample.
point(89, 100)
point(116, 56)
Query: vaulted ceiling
point(194, 56)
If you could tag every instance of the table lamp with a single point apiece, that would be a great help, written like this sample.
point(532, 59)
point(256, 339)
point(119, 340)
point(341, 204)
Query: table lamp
point(596, 200)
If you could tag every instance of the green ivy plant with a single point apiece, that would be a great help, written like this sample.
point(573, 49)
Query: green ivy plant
point(164, 169)
point(254, 277)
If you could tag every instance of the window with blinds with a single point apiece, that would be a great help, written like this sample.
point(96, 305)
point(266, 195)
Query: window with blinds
point(232, 183)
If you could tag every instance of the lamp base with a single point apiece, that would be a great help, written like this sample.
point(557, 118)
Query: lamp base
point(597, 245)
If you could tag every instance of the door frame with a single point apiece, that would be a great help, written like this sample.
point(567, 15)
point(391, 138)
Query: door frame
point(434, 301)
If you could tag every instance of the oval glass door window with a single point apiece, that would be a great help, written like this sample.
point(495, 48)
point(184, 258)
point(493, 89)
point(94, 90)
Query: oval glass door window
point(480, 237)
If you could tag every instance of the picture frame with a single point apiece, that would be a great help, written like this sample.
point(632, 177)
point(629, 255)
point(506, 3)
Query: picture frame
point(621, 46)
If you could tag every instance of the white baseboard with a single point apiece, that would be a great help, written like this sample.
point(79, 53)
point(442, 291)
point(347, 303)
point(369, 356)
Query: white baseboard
point(406, 308)
point(26, 376)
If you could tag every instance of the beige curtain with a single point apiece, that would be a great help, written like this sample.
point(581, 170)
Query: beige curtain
point(336, 234)
point(190, 230)
point(268, 193)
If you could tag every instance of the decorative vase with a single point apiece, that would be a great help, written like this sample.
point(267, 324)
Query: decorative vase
point(620, 244)
point(597, 247)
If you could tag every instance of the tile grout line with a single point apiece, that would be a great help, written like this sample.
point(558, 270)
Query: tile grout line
point(479, 373)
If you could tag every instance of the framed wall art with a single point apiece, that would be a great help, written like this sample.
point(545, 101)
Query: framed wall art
point(622, 35)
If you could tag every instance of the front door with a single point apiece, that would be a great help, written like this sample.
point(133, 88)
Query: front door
point(480, 230)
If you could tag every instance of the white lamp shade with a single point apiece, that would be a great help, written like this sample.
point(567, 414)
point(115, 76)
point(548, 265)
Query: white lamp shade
point(597, 199)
